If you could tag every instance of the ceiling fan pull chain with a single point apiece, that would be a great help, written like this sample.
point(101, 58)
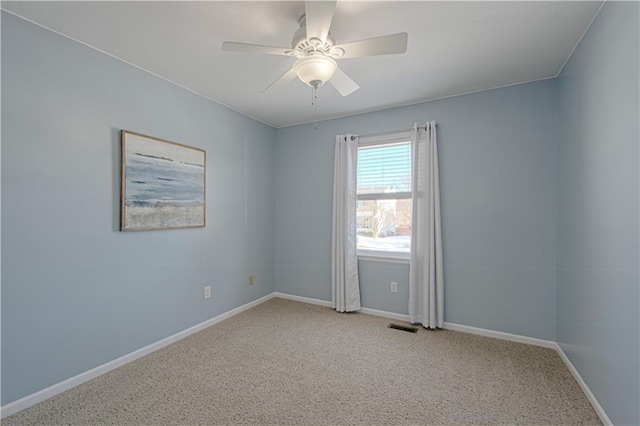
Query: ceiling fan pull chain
point(315, 106)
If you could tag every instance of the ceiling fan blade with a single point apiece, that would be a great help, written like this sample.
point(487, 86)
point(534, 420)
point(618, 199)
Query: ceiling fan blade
point(230, 46)
point(319, 15)
point(385, 45)
point(285, 78)
point(343, 83)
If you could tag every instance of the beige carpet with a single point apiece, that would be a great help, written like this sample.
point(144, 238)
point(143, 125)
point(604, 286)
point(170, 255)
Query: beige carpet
point(286, 362)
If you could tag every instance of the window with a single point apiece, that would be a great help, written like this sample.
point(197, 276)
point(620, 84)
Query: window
point(383, 213)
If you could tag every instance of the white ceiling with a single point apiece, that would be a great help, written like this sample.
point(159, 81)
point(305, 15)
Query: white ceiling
point(454, 47)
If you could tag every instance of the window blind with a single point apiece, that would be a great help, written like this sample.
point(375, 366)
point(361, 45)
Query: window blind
point(384, 169)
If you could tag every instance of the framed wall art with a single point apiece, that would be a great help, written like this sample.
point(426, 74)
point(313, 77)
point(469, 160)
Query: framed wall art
point(162, 184)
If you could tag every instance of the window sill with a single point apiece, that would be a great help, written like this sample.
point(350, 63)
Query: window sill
point(381, 256)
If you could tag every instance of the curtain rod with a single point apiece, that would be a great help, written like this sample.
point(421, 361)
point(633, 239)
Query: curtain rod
point(372, 135)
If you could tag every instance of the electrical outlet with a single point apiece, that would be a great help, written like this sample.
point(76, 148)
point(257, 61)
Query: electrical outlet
point(250, 279)
point(207, 292)
point(394, 287)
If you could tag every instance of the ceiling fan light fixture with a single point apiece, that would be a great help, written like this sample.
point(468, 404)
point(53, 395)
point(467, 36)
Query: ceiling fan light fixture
point(315, 70)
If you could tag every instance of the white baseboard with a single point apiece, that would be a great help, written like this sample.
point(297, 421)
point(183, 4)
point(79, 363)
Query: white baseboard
point(385, 314)
point(309, 300)
point(34, 398)
point(53, 390)
point(447, 325)
point(500, 335)
point(590, 396)
point(320, 302)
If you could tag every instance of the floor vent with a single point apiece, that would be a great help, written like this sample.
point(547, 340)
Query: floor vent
point(403, 328)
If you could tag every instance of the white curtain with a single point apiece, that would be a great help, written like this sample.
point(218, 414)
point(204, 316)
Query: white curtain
point(344, 255)
point(426, 301)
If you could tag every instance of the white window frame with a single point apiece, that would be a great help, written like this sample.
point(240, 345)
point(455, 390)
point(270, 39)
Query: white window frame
point(380, 255)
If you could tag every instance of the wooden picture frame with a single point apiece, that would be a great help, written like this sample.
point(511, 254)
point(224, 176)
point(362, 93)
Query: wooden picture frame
point(163, 184)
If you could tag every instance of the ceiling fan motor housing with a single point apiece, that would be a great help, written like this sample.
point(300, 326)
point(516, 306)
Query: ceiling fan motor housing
point(302, 46)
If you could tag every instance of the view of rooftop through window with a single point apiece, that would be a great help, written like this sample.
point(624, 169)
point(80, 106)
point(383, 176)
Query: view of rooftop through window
point(384, 197)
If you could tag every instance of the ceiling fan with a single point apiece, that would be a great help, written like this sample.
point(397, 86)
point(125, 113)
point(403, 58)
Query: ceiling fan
point(316, 51)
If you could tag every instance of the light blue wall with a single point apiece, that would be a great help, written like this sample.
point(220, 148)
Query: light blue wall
point(598, 295)
point(77, 293)
point(498, 189)
point(524, 170)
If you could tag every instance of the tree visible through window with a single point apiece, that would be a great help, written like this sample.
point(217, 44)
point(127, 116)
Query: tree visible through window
point(384, 195)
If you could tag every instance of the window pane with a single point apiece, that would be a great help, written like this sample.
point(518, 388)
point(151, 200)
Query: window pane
point(384, 225)
point(384, 168)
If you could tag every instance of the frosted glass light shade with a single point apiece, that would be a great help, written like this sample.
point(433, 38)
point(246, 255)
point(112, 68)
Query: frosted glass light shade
point(315, 70)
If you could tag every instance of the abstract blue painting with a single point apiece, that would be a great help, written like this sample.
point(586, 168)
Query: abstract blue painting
point(163, 184)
